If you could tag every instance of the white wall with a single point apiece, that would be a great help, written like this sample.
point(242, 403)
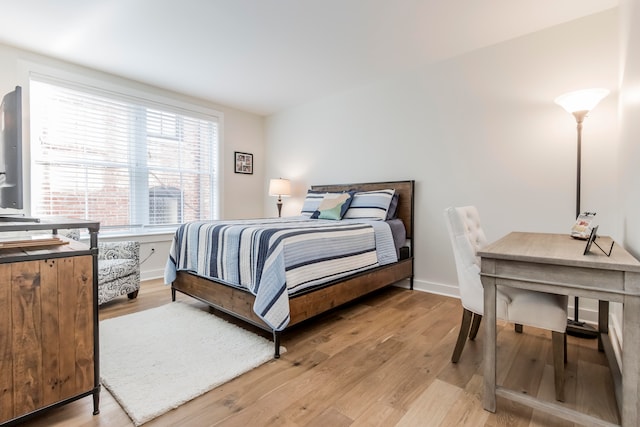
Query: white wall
point(629, 153)
point(242, 131)
point(479, 129)
point(630, 124)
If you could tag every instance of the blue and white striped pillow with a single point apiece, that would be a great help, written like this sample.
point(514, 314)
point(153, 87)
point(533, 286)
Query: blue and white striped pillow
point(311, 202)
point(370, 205)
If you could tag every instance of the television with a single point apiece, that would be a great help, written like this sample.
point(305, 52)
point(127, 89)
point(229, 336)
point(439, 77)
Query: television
point(11, 190)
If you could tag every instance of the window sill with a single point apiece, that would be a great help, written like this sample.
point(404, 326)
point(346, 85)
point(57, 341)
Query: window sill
point(141, 234)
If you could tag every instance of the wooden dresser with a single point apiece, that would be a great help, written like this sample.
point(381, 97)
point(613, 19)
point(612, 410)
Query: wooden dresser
point(49, 350)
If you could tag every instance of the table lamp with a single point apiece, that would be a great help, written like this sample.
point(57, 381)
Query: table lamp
point(279, 187)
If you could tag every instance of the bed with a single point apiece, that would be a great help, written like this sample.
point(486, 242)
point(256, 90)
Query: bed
point(238, 301)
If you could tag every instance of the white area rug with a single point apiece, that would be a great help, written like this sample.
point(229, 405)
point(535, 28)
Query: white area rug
point(155, 360)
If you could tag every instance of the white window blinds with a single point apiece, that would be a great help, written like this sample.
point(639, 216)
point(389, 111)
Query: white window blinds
point(122, 161)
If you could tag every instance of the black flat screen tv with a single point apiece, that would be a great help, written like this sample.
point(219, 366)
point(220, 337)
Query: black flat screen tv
point(11, 150)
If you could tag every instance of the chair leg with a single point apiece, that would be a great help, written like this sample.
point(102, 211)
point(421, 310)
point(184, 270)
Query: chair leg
point(132, 295)
point(475, 325)
point(518, 328)
point(559, 354)
point(462, 335)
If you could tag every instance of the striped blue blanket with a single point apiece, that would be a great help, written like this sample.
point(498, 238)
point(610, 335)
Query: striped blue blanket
point(274, 258)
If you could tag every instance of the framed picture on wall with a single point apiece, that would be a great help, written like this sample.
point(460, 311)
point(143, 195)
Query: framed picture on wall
point(243, 162)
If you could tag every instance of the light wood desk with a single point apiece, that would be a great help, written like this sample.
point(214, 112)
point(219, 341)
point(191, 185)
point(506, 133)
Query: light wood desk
point(555, 263)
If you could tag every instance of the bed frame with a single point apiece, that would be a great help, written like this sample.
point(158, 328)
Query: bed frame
point(239, 303)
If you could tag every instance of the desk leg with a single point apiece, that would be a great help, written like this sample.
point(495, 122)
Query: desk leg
point(603, 322)
point(489, 395)
point(630, 361)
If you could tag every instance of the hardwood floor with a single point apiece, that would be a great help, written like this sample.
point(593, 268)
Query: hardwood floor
point(382, 361)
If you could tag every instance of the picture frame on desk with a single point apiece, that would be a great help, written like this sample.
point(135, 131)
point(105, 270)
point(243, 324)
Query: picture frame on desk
point(592, 240)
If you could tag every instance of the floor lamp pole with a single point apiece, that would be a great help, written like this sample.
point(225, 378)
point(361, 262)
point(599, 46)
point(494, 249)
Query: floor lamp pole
point(579, 120)
point(579, 103)
point(575, 327)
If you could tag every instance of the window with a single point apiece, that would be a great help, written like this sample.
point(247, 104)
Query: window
point(123, 161)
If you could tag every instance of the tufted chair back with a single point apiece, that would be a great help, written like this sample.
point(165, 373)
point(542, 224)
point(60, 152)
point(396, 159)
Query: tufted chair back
point(467, 238)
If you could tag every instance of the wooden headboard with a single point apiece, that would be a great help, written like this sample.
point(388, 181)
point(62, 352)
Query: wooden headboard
point(403, 188)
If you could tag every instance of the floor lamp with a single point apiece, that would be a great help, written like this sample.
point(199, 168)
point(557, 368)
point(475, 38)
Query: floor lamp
point(579, 103)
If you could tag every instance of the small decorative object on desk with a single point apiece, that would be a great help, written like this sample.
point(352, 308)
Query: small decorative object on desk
point(583, 226)
point(31, 241)
point(592, 240)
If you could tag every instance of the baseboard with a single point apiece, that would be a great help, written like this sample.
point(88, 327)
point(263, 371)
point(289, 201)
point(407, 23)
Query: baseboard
point(436, 288)
point(151, 274)
point(586, 314)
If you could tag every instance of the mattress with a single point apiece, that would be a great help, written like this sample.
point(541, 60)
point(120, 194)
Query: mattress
point(277, 258)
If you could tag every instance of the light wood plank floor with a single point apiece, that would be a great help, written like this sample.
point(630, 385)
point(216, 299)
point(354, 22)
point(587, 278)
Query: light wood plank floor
point(382, 361)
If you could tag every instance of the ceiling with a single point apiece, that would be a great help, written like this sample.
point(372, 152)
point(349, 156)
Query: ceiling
point(264, 56)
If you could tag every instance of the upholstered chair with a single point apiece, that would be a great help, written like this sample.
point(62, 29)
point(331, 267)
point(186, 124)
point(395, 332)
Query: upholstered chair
point(118, 270)
point(518, 306)
point(118, 267)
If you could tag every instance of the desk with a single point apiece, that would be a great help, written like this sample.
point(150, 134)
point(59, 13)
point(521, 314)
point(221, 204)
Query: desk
point(555, 263)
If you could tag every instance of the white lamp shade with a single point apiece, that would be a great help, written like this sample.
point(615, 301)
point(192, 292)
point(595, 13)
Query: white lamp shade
point(279, 187)
point(581, 100)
